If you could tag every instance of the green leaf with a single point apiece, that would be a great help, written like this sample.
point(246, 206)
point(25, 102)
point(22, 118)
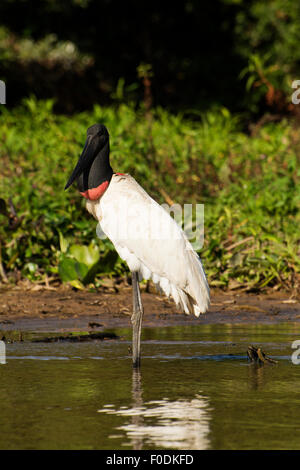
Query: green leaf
point(107, 262)
point(67, 269)
point(88, 255)
point(77, 284)
point(63, 242)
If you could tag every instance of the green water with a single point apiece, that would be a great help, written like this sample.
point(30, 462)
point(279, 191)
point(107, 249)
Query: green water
point(196, 390)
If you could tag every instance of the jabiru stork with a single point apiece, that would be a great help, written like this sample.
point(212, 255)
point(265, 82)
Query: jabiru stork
point(142, 232)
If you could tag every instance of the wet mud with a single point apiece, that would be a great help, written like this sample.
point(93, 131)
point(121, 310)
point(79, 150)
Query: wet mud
point(63, 309)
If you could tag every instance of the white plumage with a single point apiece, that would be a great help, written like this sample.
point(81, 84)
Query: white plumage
point(150, 241)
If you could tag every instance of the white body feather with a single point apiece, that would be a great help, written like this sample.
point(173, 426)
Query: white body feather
point(150, 241)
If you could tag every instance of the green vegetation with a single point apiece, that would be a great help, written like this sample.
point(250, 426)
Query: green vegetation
point(267, 36)
point(248, 183)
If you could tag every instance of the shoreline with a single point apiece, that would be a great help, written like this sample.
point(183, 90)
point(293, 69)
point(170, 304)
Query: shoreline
point(64, 309)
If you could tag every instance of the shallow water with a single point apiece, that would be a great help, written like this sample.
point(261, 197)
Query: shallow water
point(196, 390)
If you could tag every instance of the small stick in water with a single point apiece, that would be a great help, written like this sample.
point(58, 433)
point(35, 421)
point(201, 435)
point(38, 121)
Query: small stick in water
point(258, 355)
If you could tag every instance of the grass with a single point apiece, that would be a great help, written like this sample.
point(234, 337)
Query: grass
point(248, 183)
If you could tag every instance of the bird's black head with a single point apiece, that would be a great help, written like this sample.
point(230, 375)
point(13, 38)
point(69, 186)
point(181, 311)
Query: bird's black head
point(98, 129)
point(93, 171)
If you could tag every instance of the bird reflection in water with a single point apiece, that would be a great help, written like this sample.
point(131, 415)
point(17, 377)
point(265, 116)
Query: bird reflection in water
point(170, 424)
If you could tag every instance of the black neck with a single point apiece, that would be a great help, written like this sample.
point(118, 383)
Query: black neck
point(98, 172)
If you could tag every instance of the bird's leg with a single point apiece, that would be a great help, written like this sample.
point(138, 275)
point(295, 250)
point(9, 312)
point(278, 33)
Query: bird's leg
point(136, 321)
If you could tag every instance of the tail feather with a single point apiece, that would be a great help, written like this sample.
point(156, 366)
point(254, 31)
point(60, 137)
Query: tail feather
point(197, 287)
point(194, 298)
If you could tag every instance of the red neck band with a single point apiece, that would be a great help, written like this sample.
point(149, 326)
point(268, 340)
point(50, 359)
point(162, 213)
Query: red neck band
point(95, 193)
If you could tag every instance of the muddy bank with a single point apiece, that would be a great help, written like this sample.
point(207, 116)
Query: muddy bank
point(66, 310)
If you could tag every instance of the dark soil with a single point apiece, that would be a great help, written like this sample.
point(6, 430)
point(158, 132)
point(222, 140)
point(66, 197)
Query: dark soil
point(64, 309)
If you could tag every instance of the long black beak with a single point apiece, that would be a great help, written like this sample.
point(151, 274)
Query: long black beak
point(85, 159)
